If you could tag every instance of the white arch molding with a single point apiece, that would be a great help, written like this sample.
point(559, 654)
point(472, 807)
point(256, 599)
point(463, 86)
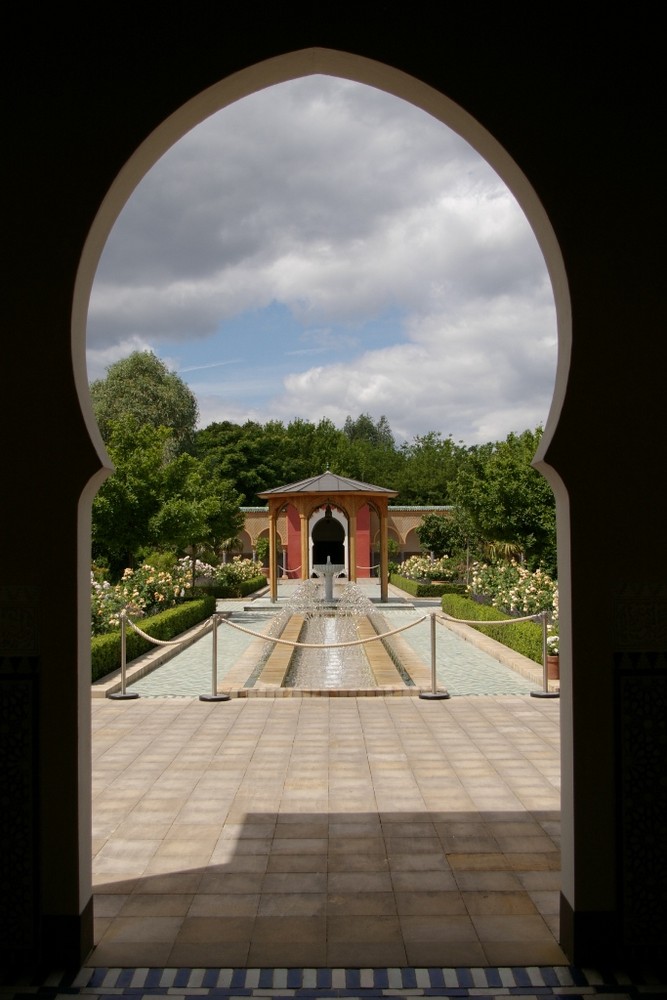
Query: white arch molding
point(293, 65)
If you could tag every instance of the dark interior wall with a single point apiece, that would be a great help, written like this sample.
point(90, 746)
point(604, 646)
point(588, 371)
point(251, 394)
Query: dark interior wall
point(577, 101)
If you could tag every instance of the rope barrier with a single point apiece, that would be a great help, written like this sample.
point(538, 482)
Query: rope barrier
point(374, 566)
point(161, 642)
point(323, 645)
point(292, 569)
point(503, 621)
point(542, 617)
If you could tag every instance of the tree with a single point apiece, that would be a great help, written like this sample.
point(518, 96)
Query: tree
point(126, 502)
point(197, 513)
point(141, 386)
point(378, 434)
point(441, 534)
point(506, 500)
point(157, 499)
point(431, 464)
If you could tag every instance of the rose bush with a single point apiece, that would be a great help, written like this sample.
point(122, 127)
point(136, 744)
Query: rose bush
point(140, 591)
point(512, 588)
point(424, 568)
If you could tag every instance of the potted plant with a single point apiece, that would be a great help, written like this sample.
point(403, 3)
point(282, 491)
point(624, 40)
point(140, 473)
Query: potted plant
point(553, 660)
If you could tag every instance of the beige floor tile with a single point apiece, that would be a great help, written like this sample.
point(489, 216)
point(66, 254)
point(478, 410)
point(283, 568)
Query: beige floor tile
point(277, 929)
point(478, 862)
point(347, 863)
point(291, 882)
point(286, 954)
point(419, 862)
point(384, 928)
point(365, 954)
point(297, 863)
point(304, 845)
point(139, 929)
point(547, 902)
point(359, 881)
point(293, 904)
point(445, 954)
point(503, 953)
point(157, 904)
point(534, 862)
point(211, 904)
point(438, 927)
point(117, 954)
point(356, 903)
point(109, 905)
point(207, 954)
point(238, 863)
point(479, 881)
point(285, 829)
point(186, 882)
point(489, 903)
point(510, 927)
point(230, 883)
point(417, 903)
point(210, 929)
point(419, 881)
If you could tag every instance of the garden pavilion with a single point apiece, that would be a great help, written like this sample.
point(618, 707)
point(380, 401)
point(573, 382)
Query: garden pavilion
point(327, 516)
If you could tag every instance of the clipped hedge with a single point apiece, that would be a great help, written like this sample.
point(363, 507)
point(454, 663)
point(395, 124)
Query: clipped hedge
point(106, 649)
point(419, 589)
point(522, 637)
point(240, 589)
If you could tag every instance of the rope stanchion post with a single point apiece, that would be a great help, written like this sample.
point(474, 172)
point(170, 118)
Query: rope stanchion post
point(123, 694)
point(433, 694)
point(214, 695)
point(544, 692)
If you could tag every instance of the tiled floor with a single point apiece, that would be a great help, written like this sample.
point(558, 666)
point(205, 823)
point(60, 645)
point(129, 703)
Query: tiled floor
point(355, 832)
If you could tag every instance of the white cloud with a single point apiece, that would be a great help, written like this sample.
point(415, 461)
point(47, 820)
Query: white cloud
point(343, 204)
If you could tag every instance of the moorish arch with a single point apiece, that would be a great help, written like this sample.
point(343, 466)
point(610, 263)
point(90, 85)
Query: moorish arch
point(85, 127)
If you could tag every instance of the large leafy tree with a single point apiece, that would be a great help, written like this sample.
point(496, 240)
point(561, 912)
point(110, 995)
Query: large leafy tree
point(431, 464)
point(126, 502)
point(505, 500)
point(155, 498)
point(196, 514)
point(441, 534)
point(141, 386)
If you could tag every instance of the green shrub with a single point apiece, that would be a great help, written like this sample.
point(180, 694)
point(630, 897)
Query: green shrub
point(239, 588)
point(522, 637)
point(106, 649)
point(420, 589)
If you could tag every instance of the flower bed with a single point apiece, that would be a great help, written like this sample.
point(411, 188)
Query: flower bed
point(515, 591)
point(425, 569)
point(141, 591)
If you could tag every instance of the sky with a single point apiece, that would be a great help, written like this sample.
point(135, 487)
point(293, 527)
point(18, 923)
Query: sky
point(323, 249)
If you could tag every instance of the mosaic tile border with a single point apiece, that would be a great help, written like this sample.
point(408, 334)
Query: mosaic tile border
point(309, 984)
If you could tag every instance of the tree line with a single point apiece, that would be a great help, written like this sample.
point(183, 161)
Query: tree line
point(179, 488)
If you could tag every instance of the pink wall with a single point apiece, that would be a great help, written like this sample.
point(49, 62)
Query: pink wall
point(363, 541)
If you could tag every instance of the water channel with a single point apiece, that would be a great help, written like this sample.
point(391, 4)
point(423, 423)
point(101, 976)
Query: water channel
point(461, 667)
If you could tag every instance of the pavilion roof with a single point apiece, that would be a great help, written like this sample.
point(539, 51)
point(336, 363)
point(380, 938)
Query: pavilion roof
point(329, 483)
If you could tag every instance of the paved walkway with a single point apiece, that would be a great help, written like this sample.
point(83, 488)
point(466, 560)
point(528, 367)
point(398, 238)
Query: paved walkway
point(326, 832)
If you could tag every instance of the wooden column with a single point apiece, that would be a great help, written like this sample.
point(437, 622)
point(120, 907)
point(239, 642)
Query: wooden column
point(305, 547)
point(384, 565)
point(273, 575)
point(352, 540)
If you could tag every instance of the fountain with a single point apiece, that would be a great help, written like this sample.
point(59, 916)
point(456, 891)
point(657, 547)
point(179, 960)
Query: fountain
point(314, 615)
point(329, 572)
